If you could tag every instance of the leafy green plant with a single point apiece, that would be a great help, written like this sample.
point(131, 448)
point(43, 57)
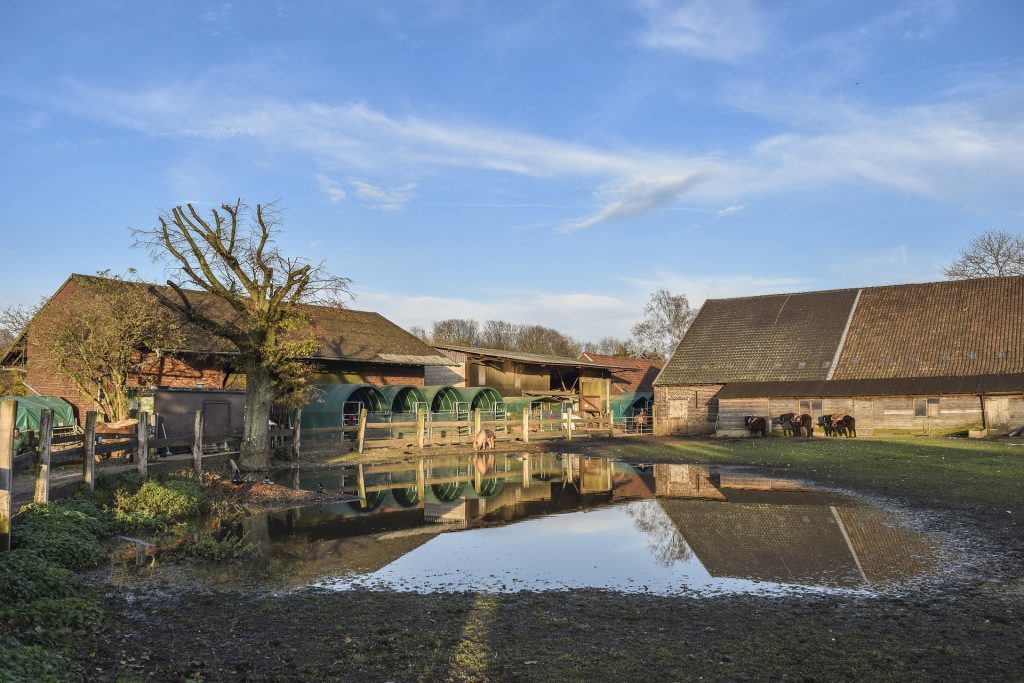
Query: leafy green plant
point(67, 516)
point(22, 662)
point(140, 522)
point(70, 550)
point(174, 499)
point(231, 547)
point(26, 576)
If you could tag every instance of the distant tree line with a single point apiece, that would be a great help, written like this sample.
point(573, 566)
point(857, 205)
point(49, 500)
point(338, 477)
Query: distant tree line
point(666, 318)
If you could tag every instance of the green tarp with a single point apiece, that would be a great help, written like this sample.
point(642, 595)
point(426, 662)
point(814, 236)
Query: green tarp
point(30, 408)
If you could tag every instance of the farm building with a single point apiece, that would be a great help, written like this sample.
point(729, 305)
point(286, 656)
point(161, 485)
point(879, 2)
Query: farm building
point(933, 357)
point(517, 373)
point(353, 347)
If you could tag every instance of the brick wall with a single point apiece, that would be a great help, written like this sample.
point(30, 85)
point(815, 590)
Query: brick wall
point(687, 409)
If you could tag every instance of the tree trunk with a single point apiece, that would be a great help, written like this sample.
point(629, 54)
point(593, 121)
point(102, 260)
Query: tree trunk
point(259, 396)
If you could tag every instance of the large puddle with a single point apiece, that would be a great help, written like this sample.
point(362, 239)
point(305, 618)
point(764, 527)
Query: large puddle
point(560, 522)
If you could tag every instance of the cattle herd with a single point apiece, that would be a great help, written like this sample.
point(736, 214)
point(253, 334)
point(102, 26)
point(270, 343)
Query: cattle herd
point(794, 424)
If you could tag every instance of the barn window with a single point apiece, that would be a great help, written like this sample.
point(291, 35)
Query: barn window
point(811, 407)
point(926, 407)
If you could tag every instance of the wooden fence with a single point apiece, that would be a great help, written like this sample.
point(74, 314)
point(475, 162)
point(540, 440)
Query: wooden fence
point(66, 449)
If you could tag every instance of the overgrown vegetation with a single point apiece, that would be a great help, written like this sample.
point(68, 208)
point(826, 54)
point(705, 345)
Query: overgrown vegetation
point(230, 547)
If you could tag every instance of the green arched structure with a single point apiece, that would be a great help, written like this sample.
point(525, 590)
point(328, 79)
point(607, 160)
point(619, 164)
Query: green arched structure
point(402, 398)
point(484, 398)
point(442, 399)
point(327, 407)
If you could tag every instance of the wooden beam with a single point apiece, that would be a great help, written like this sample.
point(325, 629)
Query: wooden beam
point(42, 493)
point(421, 418)
point(526, 425)
point(361, 433)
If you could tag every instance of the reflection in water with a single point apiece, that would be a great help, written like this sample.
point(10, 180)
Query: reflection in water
point(548, 521)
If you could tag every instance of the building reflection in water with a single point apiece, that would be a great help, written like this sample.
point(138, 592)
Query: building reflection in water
point(700, 526)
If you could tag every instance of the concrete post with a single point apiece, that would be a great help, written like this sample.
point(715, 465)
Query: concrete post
point(42, 494)
point(142, 445)
point(89, 451)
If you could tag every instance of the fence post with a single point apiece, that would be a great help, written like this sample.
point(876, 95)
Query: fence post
point(297, 435)
point(611, 424)
point(477, 423)
point(421, 418)
point(8, 412)
point(361, 485)
point(421, 480)
point(568, 423)
point(89, 451)
point(526, 425)
point(42, 494)
point(142, 445)
point(197, 445)
point(361, 433)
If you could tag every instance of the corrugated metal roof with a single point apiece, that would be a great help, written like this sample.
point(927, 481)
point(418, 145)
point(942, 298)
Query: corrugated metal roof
point(522, 356)
point(903, 386)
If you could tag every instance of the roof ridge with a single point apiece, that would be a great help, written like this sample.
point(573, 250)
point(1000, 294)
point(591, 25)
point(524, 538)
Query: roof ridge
point(948, 282)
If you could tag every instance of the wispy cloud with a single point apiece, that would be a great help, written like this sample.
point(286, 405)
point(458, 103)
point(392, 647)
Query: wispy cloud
point(716, 30)
point(635, 196)
point(729, 210)
point(387, 199)
point(331, 188)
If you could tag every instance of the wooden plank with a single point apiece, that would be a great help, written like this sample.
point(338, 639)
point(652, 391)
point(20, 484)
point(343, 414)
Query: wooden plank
point(526, 425)
point(361, 435)
point(8, 415)
point(42, 492)
point(421, 418)
point(89, 455)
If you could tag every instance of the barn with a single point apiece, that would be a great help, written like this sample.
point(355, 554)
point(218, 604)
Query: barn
point(935, 357)
point(353, 347)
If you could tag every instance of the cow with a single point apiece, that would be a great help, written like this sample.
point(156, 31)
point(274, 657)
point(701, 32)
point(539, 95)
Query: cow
point(825, 422)
point(758, 426)
point(484, 440)
point(844, 425)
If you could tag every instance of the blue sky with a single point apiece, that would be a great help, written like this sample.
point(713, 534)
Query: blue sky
point(548, 162)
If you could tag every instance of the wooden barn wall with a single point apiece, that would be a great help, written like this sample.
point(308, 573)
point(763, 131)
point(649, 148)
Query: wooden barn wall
point(454, 375)
point(886, 413)
point(508, 377)
point(687, 409)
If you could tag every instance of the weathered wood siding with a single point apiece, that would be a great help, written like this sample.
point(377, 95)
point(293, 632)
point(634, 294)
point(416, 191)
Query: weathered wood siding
point(688, 409)
point(887, 413)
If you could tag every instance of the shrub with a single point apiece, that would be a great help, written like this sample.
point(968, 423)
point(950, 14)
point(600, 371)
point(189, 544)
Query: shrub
point(65, 516)
point(73, 550)
point(35, 663)
point(230, 547)
point(174, 499)
point(25, 576)
point(136, 521)
point(40, 615)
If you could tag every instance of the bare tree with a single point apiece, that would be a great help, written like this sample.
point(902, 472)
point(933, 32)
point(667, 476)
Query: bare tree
point(666, 319)
point(458, 331)
point(13, 321)
point(499, 334)
point(251, 295)
point(992, 253)
point(420, 332)
point(541, 339)
point(612, 346)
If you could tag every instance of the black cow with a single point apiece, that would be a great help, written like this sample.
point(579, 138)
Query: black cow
point(844, 425)
point(758, 426)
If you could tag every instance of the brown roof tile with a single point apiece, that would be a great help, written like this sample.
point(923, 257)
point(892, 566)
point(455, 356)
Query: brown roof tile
point(628, 374)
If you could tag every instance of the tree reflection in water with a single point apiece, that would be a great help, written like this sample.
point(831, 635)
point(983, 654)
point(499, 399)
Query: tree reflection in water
point(665, 542)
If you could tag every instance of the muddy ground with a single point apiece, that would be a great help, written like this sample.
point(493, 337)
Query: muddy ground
point(967, 626)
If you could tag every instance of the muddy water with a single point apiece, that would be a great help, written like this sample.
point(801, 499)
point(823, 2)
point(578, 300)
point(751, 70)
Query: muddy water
point(510, 523)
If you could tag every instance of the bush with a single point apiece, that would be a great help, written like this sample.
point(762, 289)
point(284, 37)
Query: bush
point(25, 576)
point(174, 499)
point(71, 550)
point(52, 613)
point(136, 521)
point(65, 516)
point(35, 663)
point(230, 547)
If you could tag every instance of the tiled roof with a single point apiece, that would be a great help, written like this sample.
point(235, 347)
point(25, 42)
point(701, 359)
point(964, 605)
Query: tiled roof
point(629, 374)
point(953, 328)
point(341, 333)
point(957, 328)
point(901, 386)
point(759, 338)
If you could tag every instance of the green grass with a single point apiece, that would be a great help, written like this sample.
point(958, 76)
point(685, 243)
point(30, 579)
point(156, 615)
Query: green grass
point(957, 473)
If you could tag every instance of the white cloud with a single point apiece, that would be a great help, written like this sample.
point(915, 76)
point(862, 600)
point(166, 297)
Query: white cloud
point(331, 188)
point(729, 210)
point(716, 30)
point(698, 288)
point(382, 198)
point(635, 196)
